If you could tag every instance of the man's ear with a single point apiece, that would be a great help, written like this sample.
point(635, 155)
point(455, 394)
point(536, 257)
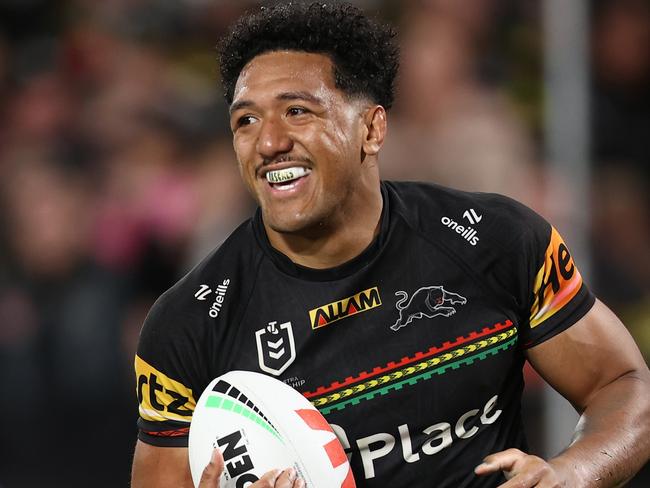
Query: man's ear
point(375, 130)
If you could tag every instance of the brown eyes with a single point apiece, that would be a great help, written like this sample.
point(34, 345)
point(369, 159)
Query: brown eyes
point(296, 111)
point(245, 120)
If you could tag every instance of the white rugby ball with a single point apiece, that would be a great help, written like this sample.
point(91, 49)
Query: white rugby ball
point(260, 424)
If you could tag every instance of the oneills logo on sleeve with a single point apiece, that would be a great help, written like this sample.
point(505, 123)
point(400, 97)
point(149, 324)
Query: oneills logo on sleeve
point(160, 397)
point(556, 283)
point(361, 302)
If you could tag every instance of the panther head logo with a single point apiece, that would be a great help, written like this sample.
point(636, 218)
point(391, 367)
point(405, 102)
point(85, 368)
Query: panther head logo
point(429, 302)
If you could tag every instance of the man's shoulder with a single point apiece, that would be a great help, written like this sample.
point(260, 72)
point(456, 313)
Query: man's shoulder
point(427, 206)
point(235, 257)
point(190, 320)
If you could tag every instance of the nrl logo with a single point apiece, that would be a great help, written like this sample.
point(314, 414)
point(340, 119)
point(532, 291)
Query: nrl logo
point(275, 347)
point(429, 302)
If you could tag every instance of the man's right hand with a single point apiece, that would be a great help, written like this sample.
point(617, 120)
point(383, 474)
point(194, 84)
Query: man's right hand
point(272, 479)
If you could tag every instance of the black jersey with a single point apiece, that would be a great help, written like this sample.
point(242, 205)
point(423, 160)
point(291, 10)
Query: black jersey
point(413, 350)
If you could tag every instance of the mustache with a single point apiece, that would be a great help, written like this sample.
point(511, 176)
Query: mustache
point(282, 158)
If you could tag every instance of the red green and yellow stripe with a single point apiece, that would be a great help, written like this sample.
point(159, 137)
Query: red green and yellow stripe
point(411, 370)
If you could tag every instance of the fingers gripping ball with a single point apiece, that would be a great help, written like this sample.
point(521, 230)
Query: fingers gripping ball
point(260, 424)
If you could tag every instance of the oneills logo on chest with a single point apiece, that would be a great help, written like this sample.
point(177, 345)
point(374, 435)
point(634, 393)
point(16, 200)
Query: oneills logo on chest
point(361, 302)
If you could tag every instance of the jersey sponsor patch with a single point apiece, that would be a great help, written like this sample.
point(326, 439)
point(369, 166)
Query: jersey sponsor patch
point(361, 302)
point(160, 397)
point(417, 445)
point(556, 283)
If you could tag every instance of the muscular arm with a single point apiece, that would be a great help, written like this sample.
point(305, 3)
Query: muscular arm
point(162, 467)
point(595, 365)
point(168, 467)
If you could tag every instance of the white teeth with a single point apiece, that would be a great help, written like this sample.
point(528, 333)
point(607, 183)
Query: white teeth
point(286, 174)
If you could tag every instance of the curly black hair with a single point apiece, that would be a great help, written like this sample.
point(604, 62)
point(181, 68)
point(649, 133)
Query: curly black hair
point(363, 51)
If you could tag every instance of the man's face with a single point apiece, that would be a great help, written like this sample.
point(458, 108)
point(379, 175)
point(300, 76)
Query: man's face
point(298, 140)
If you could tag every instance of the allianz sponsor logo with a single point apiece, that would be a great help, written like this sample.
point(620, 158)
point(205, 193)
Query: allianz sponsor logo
point(220, 295)
point(466, 232)
point(439, 436)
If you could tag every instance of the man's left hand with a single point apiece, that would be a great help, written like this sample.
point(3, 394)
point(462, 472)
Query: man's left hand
point(523, 470)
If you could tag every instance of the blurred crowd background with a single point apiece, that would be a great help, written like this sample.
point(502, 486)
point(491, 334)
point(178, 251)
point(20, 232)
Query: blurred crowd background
point(117, 174)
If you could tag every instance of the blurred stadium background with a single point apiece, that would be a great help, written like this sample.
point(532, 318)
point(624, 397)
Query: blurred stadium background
point(117, 174)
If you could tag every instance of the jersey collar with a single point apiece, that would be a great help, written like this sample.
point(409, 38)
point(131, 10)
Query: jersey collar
point(348, 268)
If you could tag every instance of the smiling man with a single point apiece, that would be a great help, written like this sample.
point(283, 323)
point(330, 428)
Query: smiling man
point(403, 311)
point(295, 135)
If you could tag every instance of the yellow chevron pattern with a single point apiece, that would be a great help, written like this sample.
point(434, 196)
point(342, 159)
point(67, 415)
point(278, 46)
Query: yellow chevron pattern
point(416, 368)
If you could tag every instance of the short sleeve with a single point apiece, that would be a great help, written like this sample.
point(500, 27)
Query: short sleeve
point(168, 368)
point(557, 296)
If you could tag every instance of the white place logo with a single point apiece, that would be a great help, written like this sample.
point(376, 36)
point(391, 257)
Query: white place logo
point(436, 438)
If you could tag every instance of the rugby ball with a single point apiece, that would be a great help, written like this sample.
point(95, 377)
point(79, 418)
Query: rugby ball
point(260, 424)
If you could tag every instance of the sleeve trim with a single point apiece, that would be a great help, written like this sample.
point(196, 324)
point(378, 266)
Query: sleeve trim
point(167, 438)
point(565, 317)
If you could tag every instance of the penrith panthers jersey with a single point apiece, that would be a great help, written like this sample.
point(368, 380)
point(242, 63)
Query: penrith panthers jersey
point(413, 351)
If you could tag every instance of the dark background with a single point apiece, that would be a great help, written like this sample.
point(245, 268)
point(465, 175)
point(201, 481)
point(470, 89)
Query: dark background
point(117, 174)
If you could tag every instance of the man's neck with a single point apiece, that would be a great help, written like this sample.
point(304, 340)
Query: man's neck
point(333, 243)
